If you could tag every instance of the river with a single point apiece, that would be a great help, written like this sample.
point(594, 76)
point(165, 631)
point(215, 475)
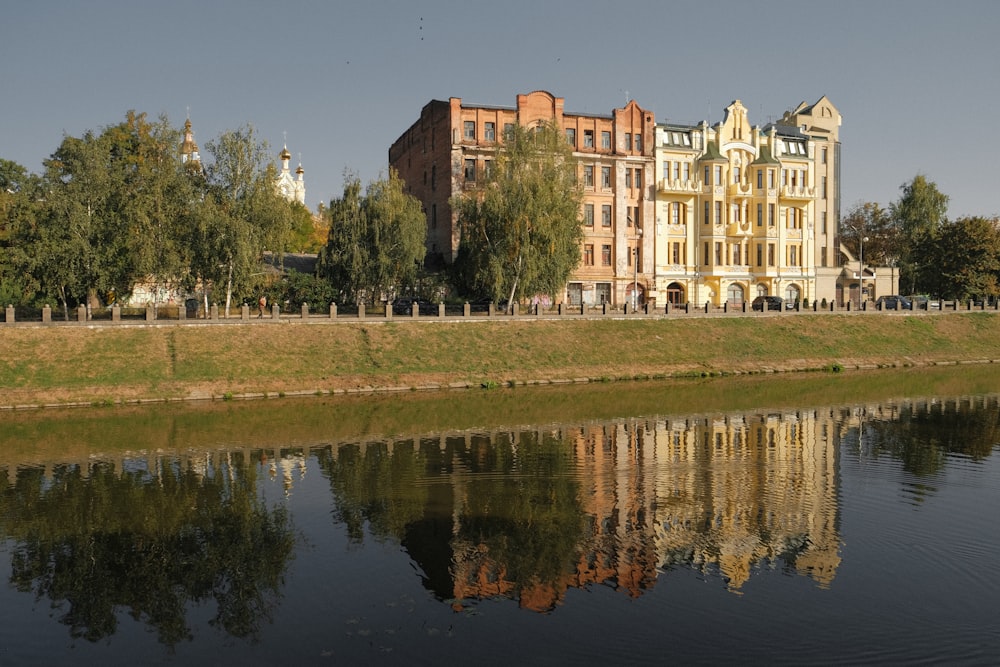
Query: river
point(810, 519)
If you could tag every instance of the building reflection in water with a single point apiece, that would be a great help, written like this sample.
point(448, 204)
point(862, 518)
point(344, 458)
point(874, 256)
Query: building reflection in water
point(613, 504)
point(525, 513)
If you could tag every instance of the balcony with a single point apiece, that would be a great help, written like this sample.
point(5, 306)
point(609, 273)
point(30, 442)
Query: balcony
point(740, 190)
point(667, 186)
point(797, 192)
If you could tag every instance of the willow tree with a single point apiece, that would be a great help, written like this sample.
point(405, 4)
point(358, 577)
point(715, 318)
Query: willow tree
point(376, 240)
point(521, 229)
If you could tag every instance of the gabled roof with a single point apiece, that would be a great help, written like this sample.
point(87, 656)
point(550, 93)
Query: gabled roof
point(765, 156)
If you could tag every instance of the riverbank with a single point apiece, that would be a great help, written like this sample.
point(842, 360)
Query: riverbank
point(106, 365)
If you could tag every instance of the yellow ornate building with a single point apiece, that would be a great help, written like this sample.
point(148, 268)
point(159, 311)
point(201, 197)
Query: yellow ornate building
point(744, 211)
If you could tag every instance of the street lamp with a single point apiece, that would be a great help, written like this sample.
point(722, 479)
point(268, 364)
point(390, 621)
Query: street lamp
point(635, 268)
point(861, 269)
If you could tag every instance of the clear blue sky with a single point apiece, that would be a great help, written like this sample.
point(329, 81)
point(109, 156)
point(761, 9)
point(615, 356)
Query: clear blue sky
point(916, 81)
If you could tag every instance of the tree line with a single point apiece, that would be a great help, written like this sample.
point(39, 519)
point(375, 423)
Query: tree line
point(948, 259)
point(120, 207)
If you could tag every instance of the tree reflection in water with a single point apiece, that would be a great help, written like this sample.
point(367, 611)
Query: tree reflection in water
point(95, 540)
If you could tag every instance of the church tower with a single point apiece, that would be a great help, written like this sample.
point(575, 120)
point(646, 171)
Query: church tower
point(292, 189)
point(190, 156)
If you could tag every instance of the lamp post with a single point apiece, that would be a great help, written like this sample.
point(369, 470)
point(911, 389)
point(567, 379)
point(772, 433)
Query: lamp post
point(635, 269)
point(861, 269)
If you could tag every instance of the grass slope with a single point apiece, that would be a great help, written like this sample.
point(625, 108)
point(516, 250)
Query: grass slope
point(66, 364)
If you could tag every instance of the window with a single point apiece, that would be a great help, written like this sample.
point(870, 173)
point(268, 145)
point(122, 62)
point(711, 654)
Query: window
point(823, 256)
point(687, 170)
point(823, 156)
point(675, 213)
point(434, 216)
point(760, 179)
point(718, 212)
point(588, 215)
point(628, 178)
point(770, 254)
point(760, 254)
point(823, 218)
point(605, 177)
point(434, 170)
point(770, 215)
point(635, 217)
point(588, 138)
point(470, 130)
point(707, 181)
point(666, 169)
point(736, 175)
point(718, 252)
point(770, 178)
point(571, 136)
point(490, 132)
point(760, 214)
point(706, 254)
point(737, 254)
point(588, 254)
point(605, 255)
point(706, 218)
point(606, 140)
point(508, 130)
point(824, 187)
point(793, 256)
point(638, 179)
point(628, 141)
point(675, 252)
point(718, 174)
point(470, 169)
point(588, 175)
point(638, 143)
point(605, 215)
point(677, 170)
point(487, 169)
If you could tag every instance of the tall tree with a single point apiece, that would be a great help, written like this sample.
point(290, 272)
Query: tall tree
point(521, 229)
point(246, 216)
point(376, 240)
point(918, 214)
point(871, 222)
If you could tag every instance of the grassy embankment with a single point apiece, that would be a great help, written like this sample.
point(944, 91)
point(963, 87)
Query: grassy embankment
point(113, 364)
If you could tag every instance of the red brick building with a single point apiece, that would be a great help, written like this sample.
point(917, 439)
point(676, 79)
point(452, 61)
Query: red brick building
point(449, 148)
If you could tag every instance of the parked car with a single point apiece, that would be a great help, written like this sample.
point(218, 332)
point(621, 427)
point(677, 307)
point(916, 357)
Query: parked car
point(763, 303)
point(923, 302)
point(893, 302)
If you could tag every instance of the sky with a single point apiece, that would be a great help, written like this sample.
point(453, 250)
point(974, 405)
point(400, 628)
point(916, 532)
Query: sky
point(337, 82)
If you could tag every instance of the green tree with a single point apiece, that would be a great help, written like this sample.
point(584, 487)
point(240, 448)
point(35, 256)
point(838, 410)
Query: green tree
point(918, 214)
point(245, 217)
point(521, 229)
point(874, 224)
point(112, 212)
point(961, 259)
point(376, 240)
point(20, 203)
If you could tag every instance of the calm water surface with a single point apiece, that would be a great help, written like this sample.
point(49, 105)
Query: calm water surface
point(612, 525)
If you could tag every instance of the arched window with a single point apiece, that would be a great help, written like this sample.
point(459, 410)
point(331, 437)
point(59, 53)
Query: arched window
point(792, 293)
point(761, 289)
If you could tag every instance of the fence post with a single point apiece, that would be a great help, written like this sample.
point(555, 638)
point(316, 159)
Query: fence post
point(9, 314)
point(245, 312)
point(361, 311)
point(275, 310)
point(81, 313)
point(305, 311)
point(116, 313)
point(333, 310)
point(215, 311)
